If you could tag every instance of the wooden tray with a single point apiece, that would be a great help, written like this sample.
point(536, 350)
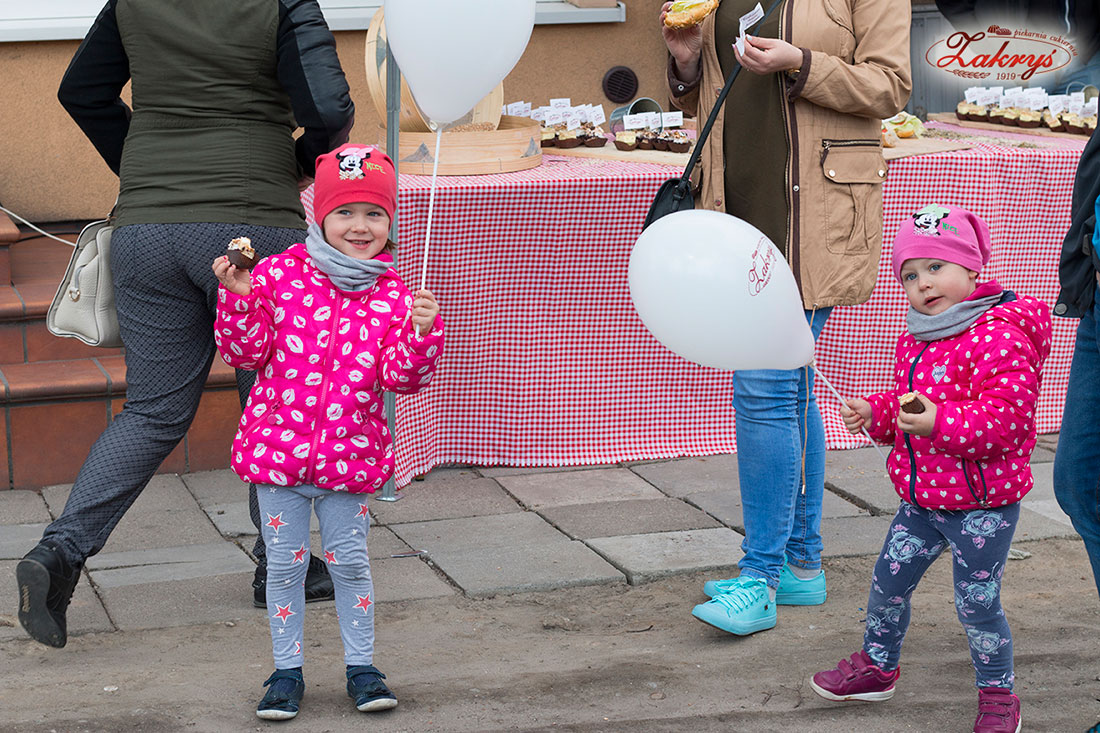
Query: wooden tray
point(610, 152)
point(951, 119)
point(923, 145)
point(514, 146)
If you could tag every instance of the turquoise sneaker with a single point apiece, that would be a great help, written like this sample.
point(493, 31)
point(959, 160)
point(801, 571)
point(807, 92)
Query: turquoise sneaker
point(792, 591)
point(742, 610)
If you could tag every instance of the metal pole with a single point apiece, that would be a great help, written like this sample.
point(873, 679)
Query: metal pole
point(393, 120)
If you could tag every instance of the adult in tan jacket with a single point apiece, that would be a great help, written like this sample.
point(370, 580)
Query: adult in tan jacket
point(796, 152)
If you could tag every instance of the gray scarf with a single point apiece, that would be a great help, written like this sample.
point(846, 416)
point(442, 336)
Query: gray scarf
point(952, 321)
point(347, 273)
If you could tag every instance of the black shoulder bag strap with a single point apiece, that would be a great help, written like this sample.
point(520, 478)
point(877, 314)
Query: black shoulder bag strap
point(675, 194)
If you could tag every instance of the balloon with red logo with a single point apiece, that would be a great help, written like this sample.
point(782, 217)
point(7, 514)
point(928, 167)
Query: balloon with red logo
point(715, 290)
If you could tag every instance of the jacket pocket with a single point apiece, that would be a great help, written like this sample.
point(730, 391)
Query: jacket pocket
point(853, 170)
point(268, 418)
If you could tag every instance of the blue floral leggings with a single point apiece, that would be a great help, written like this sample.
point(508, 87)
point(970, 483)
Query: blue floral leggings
point(979, 542)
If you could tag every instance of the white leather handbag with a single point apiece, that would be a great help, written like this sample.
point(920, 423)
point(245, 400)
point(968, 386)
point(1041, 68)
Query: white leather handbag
point(84, 306)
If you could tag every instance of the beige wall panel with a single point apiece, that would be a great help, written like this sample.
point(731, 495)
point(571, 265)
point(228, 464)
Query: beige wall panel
point(50, 172)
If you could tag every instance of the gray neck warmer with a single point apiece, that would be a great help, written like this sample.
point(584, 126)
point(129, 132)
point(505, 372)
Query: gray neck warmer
point(952, 321)
point(347, 273)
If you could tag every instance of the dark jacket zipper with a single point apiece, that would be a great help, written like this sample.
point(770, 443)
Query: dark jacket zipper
point(826, 145)
point(908, 445)
point(970, 484)
point(984, 501)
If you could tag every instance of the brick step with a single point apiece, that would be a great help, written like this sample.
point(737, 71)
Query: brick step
point(58, 394)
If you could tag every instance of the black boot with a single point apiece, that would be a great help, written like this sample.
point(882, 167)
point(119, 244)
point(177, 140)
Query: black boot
point(46, 583)
point(318, 583)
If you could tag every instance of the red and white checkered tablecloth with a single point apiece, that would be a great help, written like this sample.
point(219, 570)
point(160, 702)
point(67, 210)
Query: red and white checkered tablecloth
point(547, 364)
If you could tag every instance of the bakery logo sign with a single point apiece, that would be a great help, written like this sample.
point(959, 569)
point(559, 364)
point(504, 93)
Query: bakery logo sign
point(763, 266)
point(1000, 54)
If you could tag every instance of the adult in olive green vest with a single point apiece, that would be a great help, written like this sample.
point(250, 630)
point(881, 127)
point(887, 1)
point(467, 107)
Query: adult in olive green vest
point(206, 154)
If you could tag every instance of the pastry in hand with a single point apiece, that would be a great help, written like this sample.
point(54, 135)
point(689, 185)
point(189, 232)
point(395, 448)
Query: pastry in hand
point(241, 254)
point(910, 403)
point(686, 13)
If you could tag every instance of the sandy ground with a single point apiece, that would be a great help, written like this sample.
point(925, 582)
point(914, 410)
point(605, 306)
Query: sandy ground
point(613, 658)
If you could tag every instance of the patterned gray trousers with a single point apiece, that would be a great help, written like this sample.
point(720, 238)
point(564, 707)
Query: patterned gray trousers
point(165, 293)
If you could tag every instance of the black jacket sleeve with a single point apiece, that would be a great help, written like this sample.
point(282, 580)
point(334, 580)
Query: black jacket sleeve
point(309, 70)
point(91, 88)
point(1079, 261)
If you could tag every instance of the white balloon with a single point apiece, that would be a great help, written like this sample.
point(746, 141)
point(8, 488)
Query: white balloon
point(454, 53)
point(715, 290)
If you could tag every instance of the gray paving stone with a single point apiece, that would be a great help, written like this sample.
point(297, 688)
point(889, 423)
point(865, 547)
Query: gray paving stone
point(1041, 519)
point(216, 487)
point(497, 532)
point(725, 505)
point(682, 476)
point(498, 471)
point(647, 557)
point(848, 536)
point(85, 614)
point(16, 540)
point(450, 496)
point(189, 562)
point(407, 579)
point(217, 598)
point(578, 487)
point(1043, 453)
point(165, 515)
point(382, 543)
point(1043, 488)
point(630, 516)
point(525, 568)
point(861, 475)
point(23, 507)
point(232, 520)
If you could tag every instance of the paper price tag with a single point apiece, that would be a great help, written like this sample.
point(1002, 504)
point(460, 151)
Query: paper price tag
point(596, 115)
point(504, 109)
point(748, 20)
point(999, 91)
point(653, 120)
point(515, 109)
point(635, 122)
point(1089, 108)
point(554, 117)
point(672, 119)
point(572, 120)
point(1036, 99)
point(971, 94)
point(526, 110)
point(986, 98)
point(561, 103)
point(1057, 102)
point(581, 112)
point(1075, 106)
point(539, 114)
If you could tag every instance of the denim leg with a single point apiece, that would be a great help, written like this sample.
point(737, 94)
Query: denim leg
point(344, 524)
point(1077, 462)
point(777, 421)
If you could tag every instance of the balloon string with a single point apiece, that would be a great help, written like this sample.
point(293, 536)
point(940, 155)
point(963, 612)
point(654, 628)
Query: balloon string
point(431, 208)
point(844, 404)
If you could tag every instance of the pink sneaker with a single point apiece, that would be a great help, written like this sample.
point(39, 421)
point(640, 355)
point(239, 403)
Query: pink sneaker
point(998, 711)
point(856, 678)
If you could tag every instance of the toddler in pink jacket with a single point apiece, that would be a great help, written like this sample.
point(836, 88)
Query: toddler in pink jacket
point(328, 326)
point(962, 420)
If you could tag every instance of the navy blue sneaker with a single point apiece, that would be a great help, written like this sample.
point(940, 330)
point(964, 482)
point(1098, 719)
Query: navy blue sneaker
point(366, 687)
point(46, 582)
point(285, 689)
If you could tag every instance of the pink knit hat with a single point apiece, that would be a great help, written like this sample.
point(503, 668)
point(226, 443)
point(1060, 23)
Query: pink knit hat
point(354, 173)
point(948, 233)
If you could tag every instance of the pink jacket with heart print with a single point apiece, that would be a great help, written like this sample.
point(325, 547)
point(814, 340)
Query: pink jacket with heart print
point(985, 384)
point(323, 358)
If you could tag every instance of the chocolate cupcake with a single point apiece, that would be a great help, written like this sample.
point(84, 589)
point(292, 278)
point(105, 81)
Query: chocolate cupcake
point(549, 137)
point(1053, 121)
point(645, 140)
point(593, 136)
point(627, 140)
point(1029, 118)
point(568, 139)
point(678, 142)
point(241, 254)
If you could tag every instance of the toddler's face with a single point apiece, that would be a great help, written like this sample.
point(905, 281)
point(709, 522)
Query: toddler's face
point(933, 285)
point(359, 230)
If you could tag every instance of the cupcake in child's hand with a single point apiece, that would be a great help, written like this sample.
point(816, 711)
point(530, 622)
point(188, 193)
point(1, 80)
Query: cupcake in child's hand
point(241, 254)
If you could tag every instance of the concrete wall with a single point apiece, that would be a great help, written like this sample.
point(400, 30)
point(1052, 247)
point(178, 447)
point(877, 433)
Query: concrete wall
point(52, 173)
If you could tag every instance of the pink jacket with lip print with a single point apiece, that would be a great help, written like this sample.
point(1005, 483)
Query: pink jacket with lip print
point(985, 384)
point(323, 358)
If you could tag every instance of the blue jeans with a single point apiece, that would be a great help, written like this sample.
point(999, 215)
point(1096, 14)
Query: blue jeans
point(1077, 463)
point(777, 419)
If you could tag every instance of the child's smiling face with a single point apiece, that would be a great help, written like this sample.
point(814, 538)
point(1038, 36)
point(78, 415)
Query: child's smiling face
point(934, 285)
point(359, 229)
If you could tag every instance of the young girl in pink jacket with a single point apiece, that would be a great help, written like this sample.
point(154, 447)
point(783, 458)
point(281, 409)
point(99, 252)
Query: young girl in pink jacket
point(328, 326)
point(961, 418)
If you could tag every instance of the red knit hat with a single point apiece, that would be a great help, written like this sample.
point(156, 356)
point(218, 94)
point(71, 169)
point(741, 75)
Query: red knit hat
point(948, 233)
point(354, 173)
